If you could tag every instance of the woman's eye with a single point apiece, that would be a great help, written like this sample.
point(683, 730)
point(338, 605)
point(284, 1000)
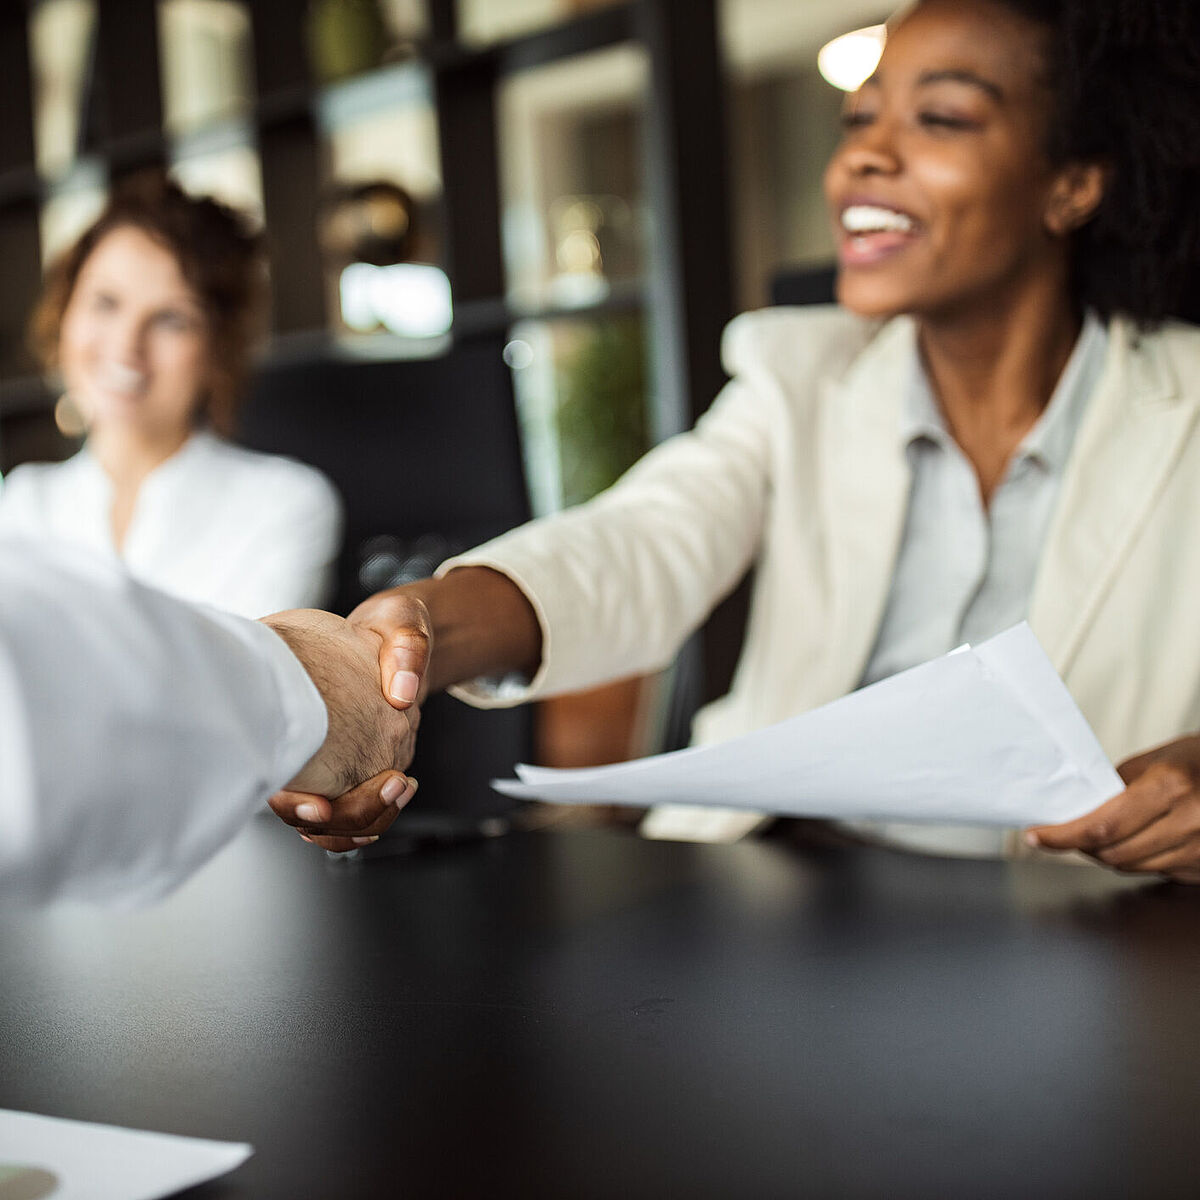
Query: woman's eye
point(937, 120)
point(176, 322)
point(103, 302)
point(855, 119)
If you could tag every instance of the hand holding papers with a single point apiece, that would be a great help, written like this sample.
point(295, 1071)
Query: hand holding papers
point(986, 735)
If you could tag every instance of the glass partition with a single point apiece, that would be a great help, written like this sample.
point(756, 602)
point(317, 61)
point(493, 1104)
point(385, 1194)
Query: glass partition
point(482, 21)
point(60, 40)
point(573, 201)
point(784, 126)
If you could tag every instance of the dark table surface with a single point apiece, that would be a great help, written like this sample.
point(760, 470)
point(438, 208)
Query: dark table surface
point(590, 1015)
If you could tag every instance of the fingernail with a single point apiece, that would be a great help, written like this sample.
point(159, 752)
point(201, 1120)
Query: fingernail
point(308, 812)
point(365, 841)
point(393, 789)
point(404, 686)
point(1032, 839)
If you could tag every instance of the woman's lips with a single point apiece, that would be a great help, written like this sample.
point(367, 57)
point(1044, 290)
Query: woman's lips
point(868, 249)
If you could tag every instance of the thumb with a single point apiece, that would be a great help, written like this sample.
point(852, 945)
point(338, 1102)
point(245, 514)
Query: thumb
point(404, 655)
point(1135, 767)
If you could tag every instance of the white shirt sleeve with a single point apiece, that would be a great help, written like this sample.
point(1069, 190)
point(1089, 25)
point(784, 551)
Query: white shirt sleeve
point(137, 732)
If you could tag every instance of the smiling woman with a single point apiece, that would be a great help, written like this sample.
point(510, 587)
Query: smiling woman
point(997, 424)
point(149, 320)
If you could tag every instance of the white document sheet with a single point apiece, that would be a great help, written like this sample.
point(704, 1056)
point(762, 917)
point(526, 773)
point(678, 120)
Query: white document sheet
point(74, 1160)
point(987, 735)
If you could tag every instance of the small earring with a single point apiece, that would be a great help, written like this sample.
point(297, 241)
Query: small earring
point(68, 418)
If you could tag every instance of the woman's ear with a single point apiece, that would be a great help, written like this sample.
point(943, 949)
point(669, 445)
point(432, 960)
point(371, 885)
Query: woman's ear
point(1074, 197)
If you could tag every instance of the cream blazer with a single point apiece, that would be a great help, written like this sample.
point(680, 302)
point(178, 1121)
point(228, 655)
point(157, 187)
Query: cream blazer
point(799, 469)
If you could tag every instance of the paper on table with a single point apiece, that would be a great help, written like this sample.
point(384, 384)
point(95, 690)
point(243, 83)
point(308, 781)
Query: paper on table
point(104, 1162)
point(984, 736)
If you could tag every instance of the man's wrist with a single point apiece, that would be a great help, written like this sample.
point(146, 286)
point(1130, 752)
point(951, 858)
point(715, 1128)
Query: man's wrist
point(302, 707)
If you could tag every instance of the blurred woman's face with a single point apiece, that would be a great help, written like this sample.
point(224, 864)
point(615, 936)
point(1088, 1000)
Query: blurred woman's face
point(133, 350)
point(940, 188)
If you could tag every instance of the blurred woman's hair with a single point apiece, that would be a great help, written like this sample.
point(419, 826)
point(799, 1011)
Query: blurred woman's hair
point(1126, 80)
point(219, 255)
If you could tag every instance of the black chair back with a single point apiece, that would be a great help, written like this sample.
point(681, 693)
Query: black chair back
point(427, 457)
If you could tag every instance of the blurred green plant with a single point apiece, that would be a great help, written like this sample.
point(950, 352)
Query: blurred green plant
point(345, 37)
point(601, 409)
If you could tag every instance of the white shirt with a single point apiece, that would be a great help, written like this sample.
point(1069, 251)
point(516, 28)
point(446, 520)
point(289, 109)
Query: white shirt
point(965, 573)
point(137, 732)
point(217, 523)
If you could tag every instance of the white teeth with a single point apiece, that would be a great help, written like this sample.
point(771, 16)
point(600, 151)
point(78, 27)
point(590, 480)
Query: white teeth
point(870, 218)
point(119, 378)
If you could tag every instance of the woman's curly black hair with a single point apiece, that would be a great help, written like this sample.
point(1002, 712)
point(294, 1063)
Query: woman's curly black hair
point(1126, 77)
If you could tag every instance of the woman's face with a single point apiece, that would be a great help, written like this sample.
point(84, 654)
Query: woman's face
point(133, 349)
point(940, 189)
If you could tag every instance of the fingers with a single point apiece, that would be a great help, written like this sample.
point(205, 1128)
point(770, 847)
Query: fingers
point(300, 808)
point(364, 811)
point(343, 843)
point(339, 845)
point(1146, 800)
point(1167, 844)
point(404, 660)
point(1133, 768)
point(1153, 826)
point(406, 632)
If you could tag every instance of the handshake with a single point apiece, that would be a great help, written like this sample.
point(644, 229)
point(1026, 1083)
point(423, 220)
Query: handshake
point(371, 672)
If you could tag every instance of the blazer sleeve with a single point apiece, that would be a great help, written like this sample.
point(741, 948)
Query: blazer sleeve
point(137, 732)
point(619, 583)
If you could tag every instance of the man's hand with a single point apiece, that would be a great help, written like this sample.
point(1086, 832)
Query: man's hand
point(369, 738)
point(1153, 825)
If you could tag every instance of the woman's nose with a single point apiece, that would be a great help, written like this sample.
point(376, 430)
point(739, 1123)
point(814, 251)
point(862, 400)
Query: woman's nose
point(127, 343)
point(872, 151)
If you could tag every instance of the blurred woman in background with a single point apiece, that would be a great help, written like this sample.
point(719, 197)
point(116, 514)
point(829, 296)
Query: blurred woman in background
point(149, 320)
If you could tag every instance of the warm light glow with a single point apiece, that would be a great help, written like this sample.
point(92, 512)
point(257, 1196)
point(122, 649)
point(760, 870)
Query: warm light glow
point(848, 60)
point(409, 299)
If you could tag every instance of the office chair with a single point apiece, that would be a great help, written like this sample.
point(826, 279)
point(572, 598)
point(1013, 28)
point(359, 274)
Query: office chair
point(427, 458)
point(803, 285)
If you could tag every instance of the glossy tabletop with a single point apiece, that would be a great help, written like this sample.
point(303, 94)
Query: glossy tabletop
point(591, 1015)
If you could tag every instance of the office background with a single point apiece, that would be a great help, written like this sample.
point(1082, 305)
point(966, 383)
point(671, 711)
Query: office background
point(529, 219)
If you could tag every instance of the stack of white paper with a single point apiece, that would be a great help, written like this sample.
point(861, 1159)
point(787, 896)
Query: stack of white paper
point(74, 1160)
point(985, 736)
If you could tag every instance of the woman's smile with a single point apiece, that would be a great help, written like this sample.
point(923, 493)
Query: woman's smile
point(873, 231)
point(939, 189)
point(134, 344)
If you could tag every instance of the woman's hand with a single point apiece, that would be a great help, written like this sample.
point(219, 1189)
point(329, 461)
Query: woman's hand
point(438, 632)
point(1153, 825)
point(404, 626)
point(352, 820)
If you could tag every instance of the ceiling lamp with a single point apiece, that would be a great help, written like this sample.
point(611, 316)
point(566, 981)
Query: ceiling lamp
point(848, 60)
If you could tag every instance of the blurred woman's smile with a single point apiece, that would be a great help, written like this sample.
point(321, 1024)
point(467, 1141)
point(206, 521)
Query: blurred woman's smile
point(134, 345)
point(939, 190)
point(872, 231)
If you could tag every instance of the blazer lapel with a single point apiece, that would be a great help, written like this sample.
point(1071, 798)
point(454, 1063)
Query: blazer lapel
point(864, 494)
point(1126, 447)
